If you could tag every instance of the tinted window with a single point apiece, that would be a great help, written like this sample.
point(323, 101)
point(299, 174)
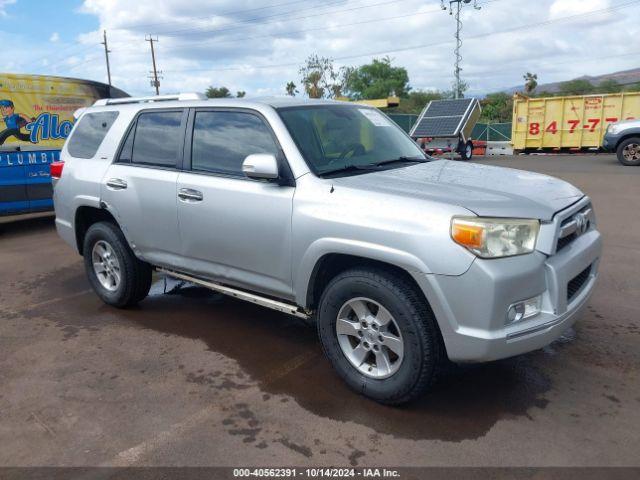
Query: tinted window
point(222, 140)
point(90, 133)
point(127, 148)
point(157, 139)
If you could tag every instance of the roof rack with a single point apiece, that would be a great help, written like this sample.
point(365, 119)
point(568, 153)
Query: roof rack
point(157, 98)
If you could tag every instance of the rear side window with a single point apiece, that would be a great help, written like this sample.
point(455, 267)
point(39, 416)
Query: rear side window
point(157, 139)
point(90, 133)
point(222, 140)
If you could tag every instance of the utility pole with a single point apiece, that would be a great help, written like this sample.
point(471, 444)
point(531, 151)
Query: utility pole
point(457, 88)
point(155, 82)
point(106, 55)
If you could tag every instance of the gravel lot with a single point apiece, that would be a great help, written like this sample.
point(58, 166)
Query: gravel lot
point(188, 378)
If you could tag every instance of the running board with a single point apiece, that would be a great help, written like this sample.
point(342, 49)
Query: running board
point(241, 294)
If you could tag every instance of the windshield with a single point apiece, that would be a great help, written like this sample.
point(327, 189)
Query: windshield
point(334, 138)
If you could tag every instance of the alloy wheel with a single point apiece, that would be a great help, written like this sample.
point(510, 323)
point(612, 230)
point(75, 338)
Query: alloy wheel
point(370, 338)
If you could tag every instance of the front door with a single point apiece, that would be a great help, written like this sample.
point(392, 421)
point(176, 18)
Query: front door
point(234, 229)
point(140, 186)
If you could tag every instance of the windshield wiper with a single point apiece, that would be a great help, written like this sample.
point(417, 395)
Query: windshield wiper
point(402, 159)
point(350, 168)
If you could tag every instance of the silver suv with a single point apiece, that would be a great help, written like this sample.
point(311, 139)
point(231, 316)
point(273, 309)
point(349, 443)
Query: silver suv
point(328, 211)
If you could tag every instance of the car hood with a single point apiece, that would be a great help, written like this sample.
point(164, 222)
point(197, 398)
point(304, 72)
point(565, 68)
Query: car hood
point(485, 190)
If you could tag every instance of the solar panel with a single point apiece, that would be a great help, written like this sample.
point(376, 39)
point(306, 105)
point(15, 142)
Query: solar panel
point(436, 127)
point(446, 118)
point(448, 108)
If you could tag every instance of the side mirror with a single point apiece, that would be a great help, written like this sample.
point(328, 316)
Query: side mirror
point(261, 166)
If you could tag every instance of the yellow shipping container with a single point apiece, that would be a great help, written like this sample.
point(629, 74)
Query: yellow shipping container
point(569, 122)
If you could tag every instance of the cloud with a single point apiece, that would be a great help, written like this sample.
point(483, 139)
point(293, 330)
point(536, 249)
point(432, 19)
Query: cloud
point(3, 6)
point(55, 37)
point(247, 45)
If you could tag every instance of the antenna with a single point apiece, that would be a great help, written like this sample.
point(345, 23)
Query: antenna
point(457, 55)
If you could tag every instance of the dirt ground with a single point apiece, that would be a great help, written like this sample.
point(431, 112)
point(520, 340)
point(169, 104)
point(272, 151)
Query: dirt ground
point(188, 378)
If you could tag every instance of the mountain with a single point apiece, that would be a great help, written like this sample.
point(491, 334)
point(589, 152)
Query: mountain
point(625, 77)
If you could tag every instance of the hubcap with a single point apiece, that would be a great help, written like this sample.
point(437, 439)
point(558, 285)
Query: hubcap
point(370, 338)
point(631, 152)
point(106, 265)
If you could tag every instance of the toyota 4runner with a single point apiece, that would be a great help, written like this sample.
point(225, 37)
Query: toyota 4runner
point(327, 211)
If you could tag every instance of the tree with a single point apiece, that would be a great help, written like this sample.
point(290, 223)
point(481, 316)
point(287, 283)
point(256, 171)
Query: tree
point(497, 107)
point(215, 92)
point(416, 101)
point(378, 79)
point(291, 89)
point(609, 86)
point(579, 86)
point(530, 82)
point(320, 78)
point(222, 92)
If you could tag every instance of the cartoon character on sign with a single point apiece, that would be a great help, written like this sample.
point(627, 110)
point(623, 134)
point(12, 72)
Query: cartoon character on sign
point(13, 122)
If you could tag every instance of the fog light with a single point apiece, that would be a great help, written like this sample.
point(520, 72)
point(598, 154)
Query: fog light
point(525, 309)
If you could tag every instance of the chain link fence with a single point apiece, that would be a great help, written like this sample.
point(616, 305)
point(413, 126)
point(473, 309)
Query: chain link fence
point(490, 132)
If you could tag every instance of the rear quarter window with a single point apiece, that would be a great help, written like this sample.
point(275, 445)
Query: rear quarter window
point(89, 134)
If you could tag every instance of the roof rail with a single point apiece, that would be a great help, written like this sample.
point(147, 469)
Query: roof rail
point(157, 98)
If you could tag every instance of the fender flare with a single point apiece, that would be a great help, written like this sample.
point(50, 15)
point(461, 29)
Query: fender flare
point(326, 246)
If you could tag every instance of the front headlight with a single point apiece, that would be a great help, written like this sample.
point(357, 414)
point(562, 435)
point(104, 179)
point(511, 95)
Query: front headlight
point(495, 237)
point(614, 128)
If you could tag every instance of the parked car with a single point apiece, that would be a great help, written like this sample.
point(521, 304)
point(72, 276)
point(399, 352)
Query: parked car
point(25, 182)
point(624, 139)
point(328, 211)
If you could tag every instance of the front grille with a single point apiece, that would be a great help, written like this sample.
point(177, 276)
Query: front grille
point(577, 282)
point(568, 239)
point(563, 242)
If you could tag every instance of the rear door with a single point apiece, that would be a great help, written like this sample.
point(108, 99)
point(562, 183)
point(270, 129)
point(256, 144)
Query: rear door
point(13, 179)
point(140, 186)
point(234, 229)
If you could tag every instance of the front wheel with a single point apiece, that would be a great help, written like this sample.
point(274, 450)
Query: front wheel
point(117, 276)
point(629, 152)
point(466, 150)
point(379, 334)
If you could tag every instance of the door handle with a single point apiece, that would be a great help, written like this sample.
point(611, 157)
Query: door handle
point(116, 184)
point(190, 195)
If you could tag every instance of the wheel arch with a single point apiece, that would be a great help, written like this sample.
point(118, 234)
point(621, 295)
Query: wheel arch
point(85, 216)
point(327, 257)
point(631, 134)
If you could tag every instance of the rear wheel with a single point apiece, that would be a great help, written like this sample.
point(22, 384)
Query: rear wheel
point(629, 152)
point(115, 273)
point(379, 334)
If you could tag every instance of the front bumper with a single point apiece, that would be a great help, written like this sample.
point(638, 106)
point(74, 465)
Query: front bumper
point(610, 141)
point(471, 308)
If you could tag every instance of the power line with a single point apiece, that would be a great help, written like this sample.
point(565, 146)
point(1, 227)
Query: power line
point(202, 30)
point(435, 44)
point(233, 12)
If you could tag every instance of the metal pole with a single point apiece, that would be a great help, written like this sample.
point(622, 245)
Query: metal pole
point(106, 55)
point(156, 82)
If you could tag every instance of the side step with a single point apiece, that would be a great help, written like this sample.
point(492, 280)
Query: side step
point(241, 294)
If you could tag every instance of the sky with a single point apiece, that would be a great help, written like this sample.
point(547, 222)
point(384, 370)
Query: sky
point(258, 46)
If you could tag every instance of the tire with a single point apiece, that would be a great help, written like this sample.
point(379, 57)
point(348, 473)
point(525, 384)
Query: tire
point(134, 275)
point(466, 150)
point(415, 324)
point(629, 152)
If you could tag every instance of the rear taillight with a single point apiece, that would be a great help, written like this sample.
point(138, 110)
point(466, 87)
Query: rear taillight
point(55, 168)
